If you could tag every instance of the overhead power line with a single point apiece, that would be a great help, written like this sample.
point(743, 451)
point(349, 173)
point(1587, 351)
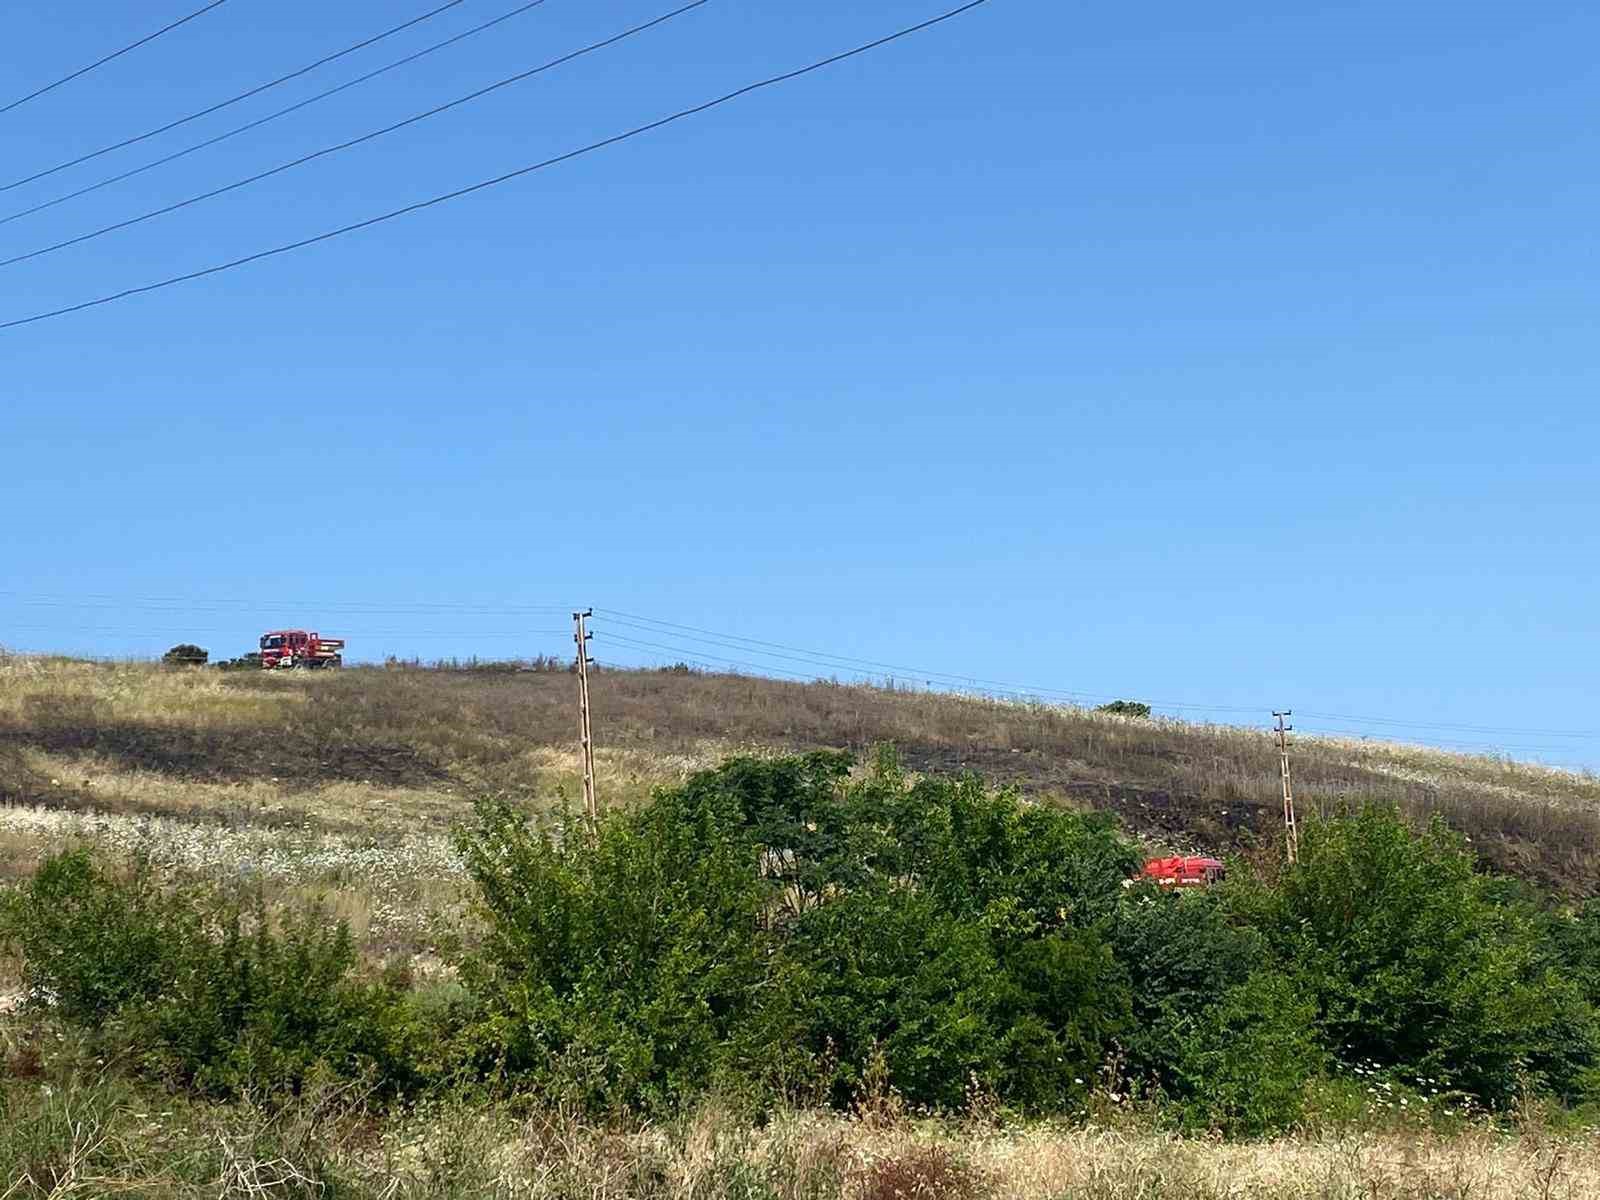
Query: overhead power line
point(418, 206)
point(273, 116)
point(349, 631)
point(878, 666)
point(1431, 742)
point(1448, 726)
point(419, 607)
point(232, 100)
point(692, 655)
point(829, 662)
point(519, 77)
point(100, 62)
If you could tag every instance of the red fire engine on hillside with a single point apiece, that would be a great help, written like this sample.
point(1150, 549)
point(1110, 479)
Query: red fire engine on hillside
point(1181, 872)
point(286, 649)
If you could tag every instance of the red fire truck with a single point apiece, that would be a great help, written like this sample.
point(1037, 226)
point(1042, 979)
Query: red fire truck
point(286, 649)
point(1181, 872)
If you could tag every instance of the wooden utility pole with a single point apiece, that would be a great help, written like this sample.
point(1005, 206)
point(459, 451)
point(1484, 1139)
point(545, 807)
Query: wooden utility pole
point(1291, 830)
point(585, 738)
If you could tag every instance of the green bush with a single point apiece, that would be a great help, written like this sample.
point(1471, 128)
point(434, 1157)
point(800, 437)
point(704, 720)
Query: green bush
point(92, 942)
point(1244, 1065)
point(1574, 941)
point(1182, 954)
point(618, 965)
point(199, 986)
point(186, 655)
point(774, 920)
point(1413, 966)
point(1126, 708)
point(258, 1009)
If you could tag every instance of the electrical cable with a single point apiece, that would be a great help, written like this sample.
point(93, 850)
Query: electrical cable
point(759, 668)
point(481, 185)
point(1450, 727)
point(420, 607)
point(692, 656)
point(519, 77)
point(347, 631)
point(1443, 745)
point(273, 116)
point(826, 657)
point(1013, 688)
point(232, 100)
point(82, 71)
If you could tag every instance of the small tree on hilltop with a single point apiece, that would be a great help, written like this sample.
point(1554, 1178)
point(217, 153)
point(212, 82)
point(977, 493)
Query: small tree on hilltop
point(1126, 708)
point(186, 655)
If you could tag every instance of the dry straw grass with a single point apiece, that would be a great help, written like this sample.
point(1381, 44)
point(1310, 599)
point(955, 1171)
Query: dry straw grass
point(79, 1141)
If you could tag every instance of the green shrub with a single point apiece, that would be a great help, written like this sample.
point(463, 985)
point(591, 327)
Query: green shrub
point(1574, 941)
point(186, 654)
point(1245, 1063)
point(946, 928)
point(1021, 869)
point(258, 1009)
point(1066, 1003)
point(93, 942)
point(616, 966)
point(199, 986)
point(777, 921)
point(884, 971)
point(1414, 967)
point(1126, 708)
point(1182, 955)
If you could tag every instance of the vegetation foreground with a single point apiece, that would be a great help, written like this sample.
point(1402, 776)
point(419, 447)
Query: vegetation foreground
point(110, 1141)
point(790, 975)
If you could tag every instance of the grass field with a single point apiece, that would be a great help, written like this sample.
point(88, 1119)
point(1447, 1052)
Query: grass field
point(105, 1140)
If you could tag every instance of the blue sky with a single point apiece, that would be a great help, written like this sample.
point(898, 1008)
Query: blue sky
point(1232, 355)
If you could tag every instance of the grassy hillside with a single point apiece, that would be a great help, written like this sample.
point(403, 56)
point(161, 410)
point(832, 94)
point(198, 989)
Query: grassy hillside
point(350, 781)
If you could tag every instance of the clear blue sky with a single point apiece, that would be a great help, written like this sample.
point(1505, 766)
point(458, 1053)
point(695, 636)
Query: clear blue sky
point(1232, 354)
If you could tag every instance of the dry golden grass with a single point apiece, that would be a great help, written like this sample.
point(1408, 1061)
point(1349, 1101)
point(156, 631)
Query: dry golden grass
point(390, 754)
point(110, 1142)
point(820, 1155)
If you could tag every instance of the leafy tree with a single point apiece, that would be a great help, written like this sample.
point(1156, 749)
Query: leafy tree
point(1126, 708)
point(886, 971)
point(1182, 954)
point(1244, 1063)
point(186, 655)
point(617, 965)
